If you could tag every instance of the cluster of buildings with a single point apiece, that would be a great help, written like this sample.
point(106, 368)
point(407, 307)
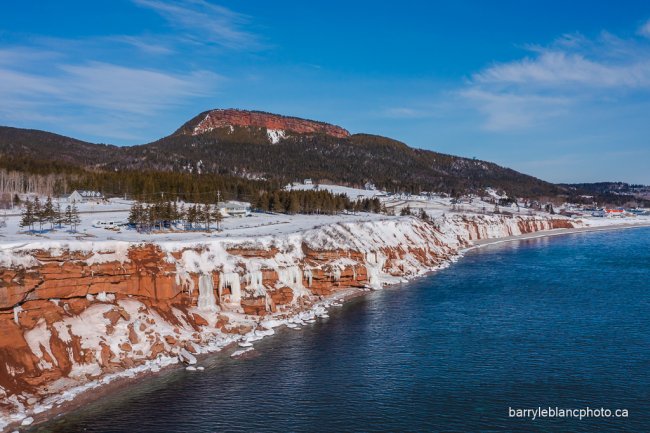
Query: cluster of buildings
point(602, 212)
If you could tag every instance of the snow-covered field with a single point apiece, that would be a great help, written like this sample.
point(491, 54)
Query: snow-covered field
point(258, 224)
point(255, 225)
point(352, 193)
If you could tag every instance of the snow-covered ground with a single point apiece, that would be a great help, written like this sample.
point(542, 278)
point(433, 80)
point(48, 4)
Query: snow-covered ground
point(617, 221)
point(258, 224)
point(352, 193)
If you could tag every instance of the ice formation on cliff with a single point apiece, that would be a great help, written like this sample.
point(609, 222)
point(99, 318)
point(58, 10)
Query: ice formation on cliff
point(230, 280)
point(255, 287)
point(291, 276)
point(374, 266)
point(254, 283)
point(309, 275)
point(207, 301)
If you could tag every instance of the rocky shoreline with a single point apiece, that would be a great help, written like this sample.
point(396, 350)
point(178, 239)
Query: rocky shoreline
point(79, 316)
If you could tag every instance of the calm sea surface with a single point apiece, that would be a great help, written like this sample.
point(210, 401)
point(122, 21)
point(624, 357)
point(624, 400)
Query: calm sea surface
point(561, 322)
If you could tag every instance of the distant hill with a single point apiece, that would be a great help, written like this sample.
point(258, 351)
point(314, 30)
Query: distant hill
point(612, 191)
point(261, 145)
point(26, 144)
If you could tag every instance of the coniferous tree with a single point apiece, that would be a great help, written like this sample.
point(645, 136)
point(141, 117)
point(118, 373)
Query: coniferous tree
point(59, 217)
point(174, 214)
point(376, 205)
point(48, 212)
point(38, 213)
point(294, 204)
point(67, 220)
point(262, 202)
point(148, 216)
point(406, 210)
point(191, 216)
point(136, 214)
point(182, 214)
point(74, 218)
point(27, 217)
point(276, 203)
point(218, 217)
point(206, 215)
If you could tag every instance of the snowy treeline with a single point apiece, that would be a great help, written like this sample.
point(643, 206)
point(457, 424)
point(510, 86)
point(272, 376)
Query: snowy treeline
point(35, 212)
point(163, 214)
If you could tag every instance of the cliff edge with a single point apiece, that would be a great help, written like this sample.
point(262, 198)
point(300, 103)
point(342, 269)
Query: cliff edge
point(78, 315)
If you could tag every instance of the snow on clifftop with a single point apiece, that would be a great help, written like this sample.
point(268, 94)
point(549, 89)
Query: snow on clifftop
point(365, 233)
point(261, 231)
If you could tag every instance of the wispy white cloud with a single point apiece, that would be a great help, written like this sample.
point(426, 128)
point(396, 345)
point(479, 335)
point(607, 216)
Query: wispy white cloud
point(555, 80)
point(100, 94)
point(134, 90)
point(508, 111)
point(563, 68)
point(145, 44)
point(113, 86)
point(204, 22)
point(26, 56)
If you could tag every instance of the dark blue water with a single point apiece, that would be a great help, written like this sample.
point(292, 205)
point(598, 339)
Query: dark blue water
point(562, 321)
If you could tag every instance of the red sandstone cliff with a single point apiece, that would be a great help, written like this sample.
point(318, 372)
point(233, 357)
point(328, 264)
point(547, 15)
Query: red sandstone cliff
point(70, 317)
point(220, 118)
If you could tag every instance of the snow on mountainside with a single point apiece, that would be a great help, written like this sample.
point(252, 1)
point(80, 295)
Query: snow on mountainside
point(275, 135)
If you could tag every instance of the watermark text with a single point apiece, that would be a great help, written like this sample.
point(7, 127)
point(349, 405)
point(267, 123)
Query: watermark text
point(562, 412)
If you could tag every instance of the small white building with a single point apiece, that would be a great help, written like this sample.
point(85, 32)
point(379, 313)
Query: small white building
point(84, 196)
point(234, 208)
point(308, 182)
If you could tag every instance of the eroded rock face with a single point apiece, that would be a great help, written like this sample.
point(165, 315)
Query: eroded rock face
point(230, 117)
point(73, 316)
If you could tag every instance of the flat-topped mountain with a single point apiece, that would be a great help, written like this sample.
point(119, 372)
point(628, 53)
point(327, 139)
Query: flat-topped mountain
point(220, 118)
point(258, 145)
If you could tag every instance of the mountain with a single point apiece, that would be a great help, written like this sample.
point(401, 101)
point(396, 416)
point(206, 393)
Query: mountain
point(259, 145)
point(612, 190)
point(32, 144)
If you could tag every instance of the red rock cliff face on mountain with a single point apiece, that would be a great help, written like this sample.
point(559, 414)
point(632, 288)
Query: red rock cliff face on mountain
point(231, 117)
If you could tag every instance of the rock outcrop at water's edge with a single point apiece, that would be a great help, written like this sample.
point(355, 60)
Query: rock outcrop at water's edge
point(73, 316)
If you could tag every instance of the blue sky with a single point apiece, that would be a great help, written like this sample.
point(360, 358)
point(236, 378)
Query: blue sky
point(559, 90)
